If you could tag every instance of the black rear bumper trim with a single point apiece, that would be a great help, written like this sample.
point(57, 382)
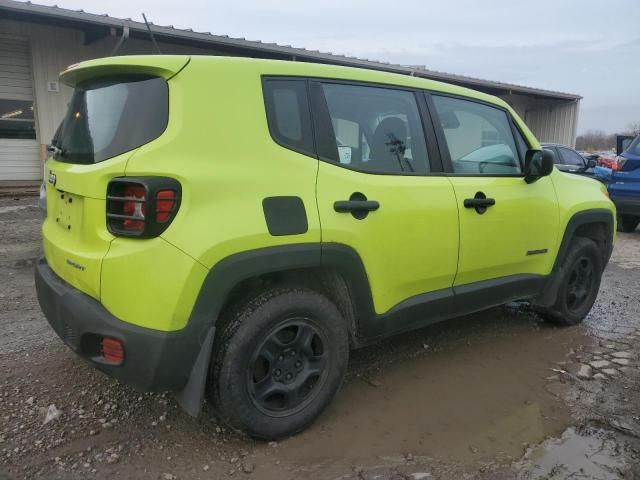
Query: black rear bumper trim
point(154, 360)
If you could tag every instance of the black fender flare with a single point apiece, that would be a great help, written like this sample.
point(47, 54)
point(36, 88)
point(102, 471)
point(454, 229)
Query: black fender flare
point(232, 270)
point(584, 217)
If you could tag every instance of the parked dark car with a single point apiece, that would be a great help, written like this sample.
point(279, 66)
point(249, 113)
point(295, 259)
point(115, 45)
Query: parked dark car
point(567, 159)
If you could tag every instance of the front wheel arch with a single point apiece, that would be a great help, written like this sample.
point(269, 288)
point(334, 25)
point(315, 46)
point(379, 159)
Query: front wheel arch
point(596, 225)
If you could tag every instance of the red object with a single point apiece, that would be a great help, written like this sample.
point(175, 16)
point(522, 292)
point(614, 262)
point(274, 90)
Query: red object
point(135, 206)
point(608, 162)
point(112, 350)
point(165, 203)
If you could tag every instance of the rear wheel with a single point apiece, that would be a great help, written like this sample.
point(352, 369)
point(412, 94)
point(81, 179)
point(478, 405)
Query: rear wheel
point(581, 274)
point(628, 223)
point(280, 359)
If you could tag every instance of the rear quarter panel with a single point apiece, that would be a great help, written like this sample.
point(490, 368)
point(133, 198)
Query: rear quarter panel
point(219, 147)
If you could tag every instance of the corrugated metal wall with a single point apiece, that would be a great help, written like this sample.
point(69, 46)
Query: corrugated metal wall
point(554, 123)
point(550, 121)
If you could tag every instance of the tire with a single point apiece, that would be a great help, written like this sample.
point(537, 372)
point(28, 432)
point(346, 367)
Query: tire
point(578, 287)
point(628, 223)
point(279, 361)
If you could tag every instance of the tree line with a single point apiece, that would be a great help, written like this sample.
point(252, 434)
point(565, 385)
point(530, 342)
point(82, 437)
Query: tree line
point(593, 140)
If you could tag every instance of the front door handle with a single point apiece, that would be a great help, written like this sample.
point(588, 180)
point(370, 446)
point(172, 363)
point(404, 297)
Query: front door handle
point(480, 202)
point(358, 205)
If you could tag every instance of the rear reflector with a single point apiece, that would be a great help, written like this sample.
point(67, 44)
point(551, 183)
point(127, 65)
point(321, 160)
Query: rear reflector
point(111, 350)
point(165, 204)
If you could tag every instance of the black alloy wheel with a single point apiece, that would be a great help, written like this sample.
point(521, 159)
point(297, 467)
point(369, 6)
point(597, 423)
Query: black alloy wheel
point(289, 367)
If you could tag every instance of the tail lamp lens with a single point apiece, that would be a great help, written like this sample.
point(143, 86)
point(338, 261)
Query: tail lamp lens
point(620, 161)
point(134, 207)
point(141, 207)
point(111, 350)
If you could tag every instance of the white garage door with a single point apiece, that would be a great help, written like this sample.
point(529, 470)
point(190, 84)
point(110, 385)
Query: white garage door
point(19, 150)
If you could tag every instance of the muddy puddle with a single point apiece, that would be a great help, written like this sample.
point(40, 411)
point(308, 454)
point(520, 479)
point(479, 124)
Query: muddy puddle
point(481, 394)
point(585, 452)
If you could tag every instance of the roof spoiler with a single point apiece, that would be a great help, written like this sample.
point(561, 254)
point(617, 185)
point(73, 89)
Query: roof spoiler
point(165, 66)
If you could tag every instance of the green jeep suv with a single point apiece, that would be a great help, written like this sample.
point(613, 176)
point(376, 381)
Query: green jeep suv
point(232, 228)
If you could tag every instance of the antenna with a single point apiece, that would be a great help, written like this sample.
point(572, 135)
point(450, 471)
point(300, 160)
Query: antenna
point(153, 38)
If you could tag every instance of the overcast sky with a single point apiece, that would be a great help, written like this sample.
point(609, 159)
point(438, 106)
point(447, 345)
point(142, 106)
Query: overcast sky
point(588, 47)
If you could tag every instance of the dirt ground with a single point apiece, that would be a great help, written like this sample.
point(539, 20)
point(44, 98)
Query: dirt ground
point(494, 395)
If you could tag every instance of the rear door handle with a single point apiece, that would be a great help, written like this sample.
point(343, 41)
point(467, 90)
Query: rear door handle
point(358, 205)
point(480, 202)
point(344, 206)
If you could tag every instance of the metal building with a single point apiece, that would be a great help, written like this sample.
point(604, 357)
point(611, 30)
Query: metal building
point(37, 42)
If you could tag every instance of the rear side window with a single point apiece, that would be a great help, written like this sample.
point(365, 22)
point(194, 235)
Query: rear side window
point(479, 137)
point(110, 116)
point(288, 114)
point(375, 129)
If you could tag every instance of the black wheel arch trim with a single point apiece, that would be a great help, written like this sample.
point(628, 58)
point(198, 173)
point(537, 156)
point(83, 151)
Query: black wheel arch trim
point(585, 217)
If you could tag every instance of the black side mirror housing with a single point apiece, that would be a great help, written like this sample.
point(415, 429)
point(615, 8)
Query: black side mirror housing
point(537, 164)
point(591, 163)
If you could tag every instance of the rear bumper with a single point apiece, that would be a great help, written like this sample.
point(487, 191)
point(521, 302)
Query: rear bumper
point(153, 360)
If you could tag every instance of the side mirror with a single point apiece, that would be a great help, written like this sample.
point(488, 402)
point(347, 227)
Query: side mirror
point(537, 164)
point(591, 163)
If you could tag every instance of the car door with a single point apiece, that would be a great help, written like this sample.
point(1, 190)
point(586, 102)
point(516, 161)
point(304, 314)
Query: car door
point(380, 190)
point(507, 227)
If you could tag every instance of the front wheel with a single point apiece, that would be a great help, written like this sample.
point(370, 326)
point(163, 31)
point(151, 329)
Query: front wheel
point(628, 223)
point(581, 273)
point(279, 361)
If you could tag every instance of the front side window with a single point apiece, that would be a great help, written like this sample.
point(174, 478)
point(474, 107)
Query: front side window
point(479, 137)
point(288, 114)
point(109, 116)
point(377, 130)
point(569, 157)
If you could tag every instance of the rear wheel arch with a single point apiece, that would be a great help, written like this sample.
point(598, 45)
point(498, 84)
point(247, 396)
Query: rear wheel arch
point(334, 270)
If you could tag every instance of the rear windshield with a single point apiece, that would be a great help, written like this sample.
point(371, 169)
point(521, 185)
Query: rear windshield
point(110, 116)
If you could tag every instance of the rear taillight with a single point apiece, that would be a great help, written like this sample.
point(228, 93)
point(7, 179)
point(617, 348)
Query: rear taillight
point(620, 161)
point(134, 208)
point(141, 206)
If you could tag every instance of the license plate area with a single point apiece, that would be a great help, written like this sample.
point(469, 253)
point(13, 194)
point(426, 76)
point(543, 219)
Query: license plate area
point(68, 211)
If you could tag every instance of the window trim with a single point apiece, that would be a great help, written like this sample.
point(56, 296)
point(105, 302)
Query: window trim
point(283, 78)
point(442, 141)
point(438, 151)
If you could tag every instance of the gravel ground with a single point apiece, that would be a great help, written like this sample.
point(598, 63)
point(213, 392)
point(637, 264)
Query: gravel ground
point(495, 395)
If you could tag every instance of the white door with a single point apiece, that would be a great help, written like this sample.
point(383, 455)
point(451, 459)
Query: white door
point(19, 149)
